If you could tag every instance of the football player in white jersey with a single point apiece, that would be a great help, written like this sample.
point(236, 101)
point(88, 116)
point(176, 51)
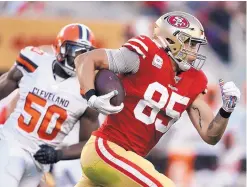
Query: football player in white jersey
point(48, 107)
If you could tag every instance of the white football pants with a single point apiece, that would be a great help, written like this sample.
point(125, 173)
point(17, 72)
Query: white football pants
point(17, 168)
point(67, 173)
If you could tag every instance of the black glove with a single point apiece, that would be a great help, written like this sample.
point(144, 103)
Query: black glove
point(48, 155)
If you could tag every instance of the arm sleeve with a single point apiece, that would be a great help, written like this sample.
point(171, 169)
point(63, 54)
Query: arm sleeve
point(123, 60)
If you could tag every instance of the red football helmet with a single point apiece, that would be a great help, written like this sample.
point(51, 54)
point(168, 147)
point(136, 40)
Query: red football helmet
point(72, 40)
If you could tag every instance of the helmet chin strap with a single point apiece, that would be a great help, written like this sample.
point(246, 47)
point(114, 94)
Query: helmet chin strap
point(68, 71)
point(182, 65)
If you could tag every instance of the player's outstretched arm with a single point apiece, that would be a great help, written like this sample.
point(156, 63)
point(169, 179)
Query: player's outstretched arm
point(9, 81)
point(209, 127)
point(88, 123)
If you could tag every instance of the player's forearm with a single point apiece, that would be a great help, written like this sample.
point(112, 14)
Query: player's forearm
point(217, 128)
point(85, 72)
point(9, 81)
point(6, 87)
point(2, 86)
point(86, 64)
point(72, 152)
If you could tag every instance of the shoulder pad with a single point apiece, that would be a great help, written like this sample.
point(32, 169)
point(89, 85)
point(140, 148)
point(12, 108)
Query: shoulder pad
point(201, 81)
point(29, 57)
point(139, 44)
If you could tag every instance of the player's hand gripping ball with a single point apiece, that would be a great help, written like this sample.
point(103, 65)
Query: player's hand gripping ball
point(109, 93)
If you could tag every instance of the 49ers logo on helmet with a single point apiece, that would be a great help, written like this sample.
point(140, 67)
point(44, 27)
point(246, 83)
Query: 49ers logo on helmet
point(178, 21)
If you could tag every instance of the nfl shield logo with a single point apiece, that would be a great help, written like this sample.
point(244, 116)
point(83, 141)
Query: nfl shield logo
point(177, 79)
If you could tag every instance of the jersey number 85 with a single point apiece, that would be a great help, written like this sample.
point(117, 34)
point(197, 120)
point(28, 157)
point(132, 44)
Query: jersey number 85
point(157, 106)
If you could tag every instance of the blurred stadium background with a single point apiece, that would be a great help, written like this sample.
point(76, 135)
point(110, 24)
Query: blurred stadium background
point(181, 154)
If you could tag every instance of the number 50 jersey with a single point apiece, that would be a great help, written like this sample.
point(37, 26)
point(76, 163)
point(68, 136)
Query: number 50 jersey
point(47, 109)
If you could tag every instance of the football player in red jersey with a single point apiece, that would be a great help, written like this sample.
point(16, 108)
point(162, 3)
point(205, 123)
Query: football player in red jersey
point(162, 78)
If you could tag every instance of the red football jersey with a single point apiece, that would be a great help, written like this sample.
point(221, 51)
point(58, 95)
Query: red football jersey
point(155, 99)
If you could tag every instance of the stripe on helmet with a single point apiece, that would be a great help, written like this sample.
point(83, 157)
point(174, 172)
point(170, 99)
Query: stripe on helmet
point(88, 35)
point(84, 37)
point(80, 31)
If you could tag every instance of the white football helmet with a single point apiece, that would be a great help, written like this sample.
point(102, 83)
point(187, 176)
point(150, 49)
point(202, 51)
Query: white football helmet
point(173, 30)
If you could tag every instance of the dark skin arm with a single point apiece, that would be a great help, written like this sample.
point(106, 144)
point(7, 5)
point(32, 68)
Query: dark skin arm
point(88, 123)
point(9, 81)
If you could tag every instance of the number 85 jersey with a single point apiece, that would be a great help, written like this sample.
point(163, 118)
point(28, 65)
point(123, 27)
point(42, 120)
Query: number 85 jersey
point(47, 110)
point(155, 98)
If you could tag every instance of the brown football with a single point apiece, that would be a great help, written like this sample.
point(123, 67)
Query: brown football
point(107, 81)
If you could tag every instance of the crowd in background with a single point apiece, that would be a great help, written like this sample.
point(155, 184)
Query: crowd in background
point(181, 154)
point(216, 15)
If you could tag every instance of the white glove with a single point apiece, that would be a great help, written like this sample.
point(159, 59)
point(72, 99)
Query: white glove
point(230, 95)
point(102, 103)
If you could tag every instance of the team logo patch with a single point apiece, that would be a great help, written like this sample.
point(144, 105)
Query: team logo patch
point(157, 61)
point(178, 21)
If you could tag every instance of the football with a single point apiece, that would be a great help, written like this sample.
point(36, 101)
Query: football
point(107, 81)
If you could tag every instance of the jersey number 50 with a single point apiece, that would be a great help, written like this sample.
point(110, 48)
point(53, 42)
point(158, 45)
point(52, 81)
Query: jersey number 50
point(156, 106)
point(51, 112)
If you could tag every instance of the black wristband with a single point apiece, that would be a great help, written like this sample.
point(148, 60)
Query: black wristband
point(59, 155)
point(224, 114)
point(90, 93)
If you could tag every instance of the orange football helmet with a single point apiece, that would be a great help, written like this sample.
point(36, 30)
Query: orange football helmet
point(72, 40)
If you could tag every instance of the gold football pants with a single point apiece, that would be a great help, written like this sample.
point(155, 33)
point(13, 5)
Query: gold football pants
point(105, 164)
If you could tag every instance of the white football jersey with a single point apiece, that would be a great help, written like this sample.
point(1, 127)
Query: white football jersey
point(47, 109)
